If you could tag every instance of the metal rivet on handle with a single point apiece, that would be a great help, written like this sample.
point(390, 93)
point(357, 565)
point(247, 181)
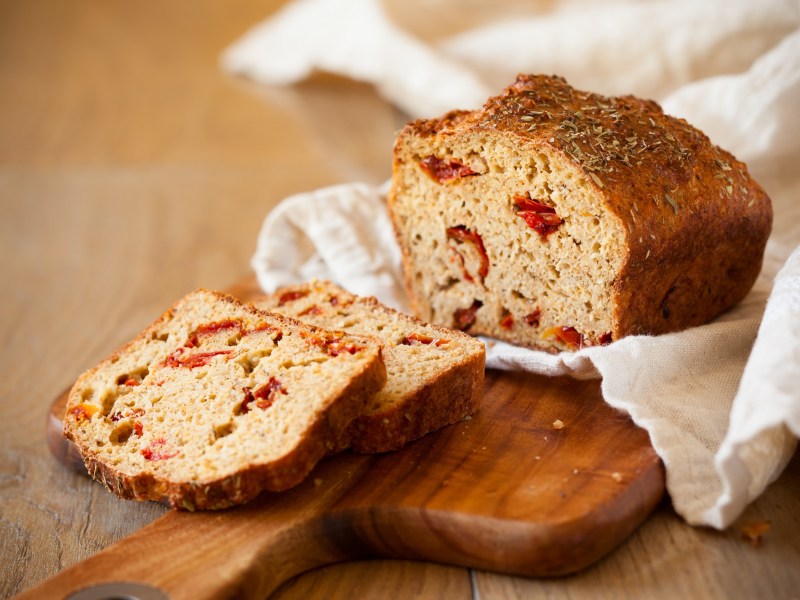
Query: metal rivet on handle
point(119, 590)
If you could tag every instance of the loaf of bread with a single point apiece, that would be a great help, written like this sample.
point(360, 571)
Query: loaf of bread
point(435, 375)
point(217, 401)
point(556, 219)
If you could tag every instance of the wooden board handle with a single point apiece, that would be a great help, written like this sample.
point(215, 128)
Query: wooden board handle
point(244, 553)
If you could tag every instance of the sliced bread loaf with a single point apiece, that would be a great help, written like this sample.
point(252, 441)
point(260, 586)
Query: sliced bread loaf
point(557, 218)
point(217, 401)
point(435, 375)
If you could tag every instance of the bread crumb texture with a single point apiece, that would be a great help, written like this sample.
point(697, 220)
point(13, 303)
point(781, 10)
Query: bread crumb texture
point(435, 374)
point(217, 401)
point(558, 219)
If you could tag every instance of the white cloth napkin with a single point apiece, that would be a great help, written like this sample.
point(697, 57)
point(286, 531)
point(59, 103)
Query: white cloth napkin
point(721, 402)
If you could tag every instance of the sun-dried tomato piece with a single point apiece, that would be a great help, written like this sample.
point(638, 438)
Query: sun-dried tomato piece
point(539, 217)
point(605, 339)
point(291, 296)
point(191, 361)
point(211, 329)
point(568, 335)
point(507, 322)
point(334, 346)
point(571, 337)
point(83, 411)
point(314, 339)
point(444, 171)
point(533, 318)
point(416, 339)
point(312, 310)
point(131, 382)
point(157, 451)
point(138, 428)
point(465, 317)
point(462, 235)
point(265, 395)
point(248, 398)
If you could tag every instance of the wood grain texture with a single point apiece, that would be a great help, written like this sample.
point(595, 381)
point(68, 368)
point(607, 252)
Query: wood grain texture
point(504, 491)
point(131, 172)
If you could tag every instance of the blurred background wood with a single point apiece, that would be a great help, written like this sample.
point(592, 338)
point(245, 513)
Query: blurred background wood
point(132, 170)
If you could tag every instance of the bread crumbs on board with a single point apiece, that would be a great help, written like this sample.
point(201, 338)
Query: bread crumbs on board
point(752, 532)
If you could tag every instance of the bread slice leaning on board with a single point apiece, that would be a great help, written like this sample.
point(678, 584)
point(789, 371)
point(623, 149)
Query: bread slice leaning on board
point(435, 375)
point(218, 401)
point(555, 218)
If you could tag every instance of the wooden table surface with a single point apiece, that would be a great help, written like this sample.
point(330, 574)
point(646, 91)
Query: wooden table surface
point(131, 171)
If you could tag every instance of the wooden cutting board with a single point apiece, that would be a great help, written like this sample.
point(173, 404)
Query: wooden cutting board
point(506, 491)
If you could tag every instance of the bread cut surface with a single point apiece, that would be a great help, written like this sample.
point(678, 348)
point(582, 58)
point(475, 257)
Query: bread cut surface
point(435, 375)
point(217, 402)
point(556, 218)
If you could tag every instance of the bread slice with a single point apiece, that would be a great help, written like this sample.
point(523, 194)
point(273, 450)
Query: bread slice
point(557, 218)
point(217, 401)
point(435, 375)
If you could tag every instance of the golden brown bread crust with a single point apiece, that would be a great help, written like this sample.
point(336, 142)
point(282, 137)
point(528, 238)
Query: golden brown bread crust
point(447, 399)
point(325, 434)
point(694, 222)
point(444, 401)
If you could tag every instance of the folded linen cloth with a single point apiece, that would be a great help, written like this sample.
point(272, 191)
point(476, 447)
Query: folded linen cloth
point(721, 402)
